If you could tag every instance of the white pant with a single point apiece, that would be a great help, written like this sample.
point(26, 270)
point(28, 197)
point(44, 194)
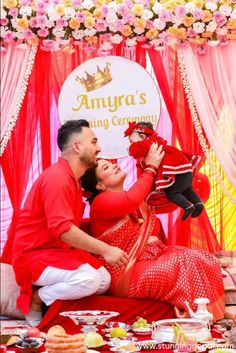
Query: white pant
point(72, 284)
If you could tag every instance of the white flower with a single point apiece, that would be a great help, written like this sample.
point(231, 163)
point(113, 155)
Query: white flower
point(13, 23)
point(112, 5)
point(211, 27)
point(157, 8)
point(112, 27)
point(78, 34)
point(3, 14)
point(25, 10)
point(213, 43)
point(23, 46)
point(20, 35)
point(158, 24)
point(116, 39)
point(222, 31)
point(226, 10)
point(90, 32)
point(69, 12)
point(53, 16)
point(199, 27)
point(87, 4)
point(106, 46)
point(178, 20)
point(131, 42)
point(111, 17)
point(211, 5)
point(138, 30)
point(233, 14)
point(189, 6)
point(50, 24)
point(147, 14)
point(3, 32)
point(58, 33)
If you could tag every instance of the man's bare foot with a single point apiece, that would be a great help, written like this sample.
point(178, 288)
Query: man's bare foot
point(36, 302)
point(180, 313)
point(34, 315)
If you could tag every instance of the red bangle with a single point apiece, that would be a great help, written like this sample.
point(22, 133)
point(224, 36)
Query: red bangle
point(152, 166)
point(150, 171)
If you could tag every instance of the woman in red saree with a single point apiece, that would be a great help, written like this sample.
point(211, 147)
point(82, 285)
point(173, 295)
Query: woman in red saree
point(174, 274)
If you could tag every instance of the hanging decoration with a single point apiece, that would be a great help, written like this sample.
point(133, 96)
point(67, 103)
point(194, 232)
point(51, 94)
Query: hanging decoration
point(59, 23)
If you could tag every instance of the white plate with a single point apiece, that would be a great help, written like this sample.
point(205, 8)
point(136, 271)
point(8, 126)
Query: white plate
point(91, 351)
point(116, 342)
point(90, 316)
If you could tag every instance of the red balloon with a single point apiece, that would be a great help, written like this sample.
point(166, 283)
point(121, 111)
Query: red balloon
point(202, 186)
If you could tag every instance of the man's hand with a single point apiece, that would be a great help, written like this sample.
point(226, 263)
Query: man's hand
point(115, 256)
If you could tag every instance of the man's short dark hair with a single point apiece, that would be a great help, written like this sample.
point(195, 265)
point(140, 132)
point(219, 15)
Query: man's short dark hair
point(68, 129)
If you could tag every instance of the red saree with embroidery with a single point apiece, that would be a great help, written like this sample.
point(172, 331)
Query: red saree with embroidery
point(155, 270)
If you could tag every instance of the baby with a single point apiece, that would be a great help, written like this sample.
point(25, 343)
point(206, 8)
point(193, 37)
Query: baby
point(175, 174)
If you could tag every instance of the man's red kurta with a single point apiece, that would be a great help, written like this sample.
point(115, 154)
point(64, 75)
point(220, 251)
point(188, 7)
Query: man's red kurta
point(53, 205)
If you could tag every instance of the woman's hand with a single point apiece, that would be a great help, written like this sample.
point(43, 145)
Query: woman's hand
point(115, 256)
point(155, 155)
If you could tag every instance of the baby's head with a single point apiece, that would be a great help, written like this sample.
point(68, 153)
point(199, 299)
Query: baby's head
point(139, 131)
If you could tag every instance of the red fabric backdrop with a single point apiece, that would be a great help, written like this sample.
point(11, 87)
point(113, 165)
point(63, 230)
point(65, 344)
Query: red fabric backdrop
point(48, 74)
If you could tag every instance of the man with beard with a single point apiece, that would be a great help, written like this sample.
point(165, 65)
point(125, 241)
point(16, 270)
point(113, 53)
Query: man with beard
point(50, 250)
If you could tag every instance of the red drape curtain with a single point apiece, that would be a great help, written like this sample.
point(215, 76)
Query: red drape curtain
point(198, 232)
point(17, 158)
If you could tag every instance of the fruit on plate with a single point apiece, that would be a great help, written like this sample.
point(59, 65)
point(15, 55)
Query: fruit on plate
point(56, 330)
point(31, 332)
point(140, 323)
point(93, 340)
point(118, 332)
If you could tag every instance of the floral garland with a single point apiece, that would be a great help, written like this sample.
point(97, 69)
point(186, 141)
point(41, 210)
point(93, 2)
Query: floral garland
point(57, 23)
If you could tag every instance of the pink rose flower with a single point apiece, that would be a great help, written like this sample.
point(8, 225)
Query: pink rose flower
point(43, 32)
point(41, 21)
point(165, 16)
point(219, 18)
point(180, 11)
point(80, 16)
point(61, 22)
point(33, 22)
point(101, 25)
point(4, 21)
point(198, 14)
point(13, 12)
point(28, 34)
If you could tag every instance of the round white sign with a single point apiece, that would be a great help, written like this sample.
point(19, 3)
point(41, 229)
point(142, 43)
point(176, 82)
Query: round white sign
point(109, 92)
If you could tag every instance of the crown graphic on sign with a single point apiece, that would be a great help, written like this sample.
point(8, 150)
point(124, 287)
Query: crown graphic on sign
point(99, 79)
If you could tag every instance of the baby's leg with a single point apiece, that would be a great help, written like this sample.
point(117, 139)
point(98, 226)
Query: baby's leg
point(192, 196)
point(174, 193)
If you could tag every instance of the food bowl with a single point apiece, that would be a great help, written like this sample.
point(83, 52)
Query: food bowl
point(163, 330)
point(113, 324)
point(29, 345)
